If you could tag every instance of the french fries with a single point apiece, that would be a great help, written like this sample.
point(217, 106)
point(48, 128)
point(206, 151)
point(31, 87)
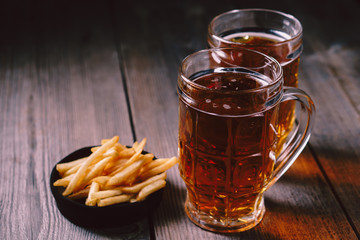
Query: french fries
point(114, 173)
point(114, 200)
point(77, 180)
point(137, 187)
point(147, 190)
point(94, 188)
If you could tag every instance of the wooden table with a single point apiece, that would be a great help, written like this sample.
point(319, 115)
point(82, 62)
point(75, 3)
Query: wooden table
point(72, 73)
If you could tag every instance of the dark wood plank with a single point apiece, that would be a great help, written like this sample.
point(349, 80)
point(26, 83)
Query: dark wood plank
point(336, 143)
point(301, 205)
point(60, 90)
point(330, 73)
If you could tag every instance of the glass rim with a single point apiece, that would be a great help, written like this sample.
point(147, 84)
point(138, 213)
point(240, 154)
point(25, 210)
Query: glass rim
point(218, 38)
point(276, 80)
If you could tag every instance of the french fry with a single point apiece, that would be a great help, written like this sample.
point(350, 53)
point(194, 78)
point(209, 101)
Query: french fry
point(114, 173)
point(137, 187)
point(135, 144)
point(105, 140)
point(154, 164)
point(113, 166)
point(114, 200)
point(126, 153)
point(63, 182)
point(140, 146)
point(159, 169)
point(80, 174)
point(147, 190)
point(145, 159)
point(106, 194)
point(136, 157)
point(101, 180)
point(63, 167)
point(97, 169)
point(133, 159)
point(83, 193)
point(119, 147)
point(71, 170)
point(94, 149)
point(149, 157)
point(112, 152)
point(115, 151)
point(90, 201)
point(125, 173)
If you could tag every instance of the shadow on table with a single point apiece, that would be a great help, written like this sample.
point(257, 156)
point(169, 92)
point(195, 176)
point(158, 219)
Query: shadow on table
point(318, 175)
point(173, 202)
point(171, 209)
point(138, 230)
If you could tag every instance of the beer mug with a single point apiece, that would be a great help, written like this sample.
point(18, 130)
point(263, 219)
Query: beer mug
point(229, 102)
point(273, 33)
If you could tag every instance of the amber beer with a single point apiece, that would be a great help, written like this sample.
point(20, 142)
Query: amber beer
point(274, 33)
point(228, 119)
point(290, 68)
point(226, 157)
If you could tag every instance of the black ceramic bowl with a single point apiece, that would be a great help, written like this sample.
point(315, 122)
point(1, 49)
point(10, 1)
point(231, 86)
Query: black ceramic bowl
point(100, 217)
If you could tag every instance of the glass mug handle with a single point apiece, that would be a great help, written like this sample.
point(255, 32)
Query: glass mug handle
point(300, 136)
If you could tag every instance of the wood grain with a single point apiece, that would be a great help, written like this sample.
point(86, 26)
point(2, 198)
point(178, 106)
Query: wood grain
point(72, 73)
point(329, 74)
point(61, 89)
point(336, 143)
point(295, 215)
